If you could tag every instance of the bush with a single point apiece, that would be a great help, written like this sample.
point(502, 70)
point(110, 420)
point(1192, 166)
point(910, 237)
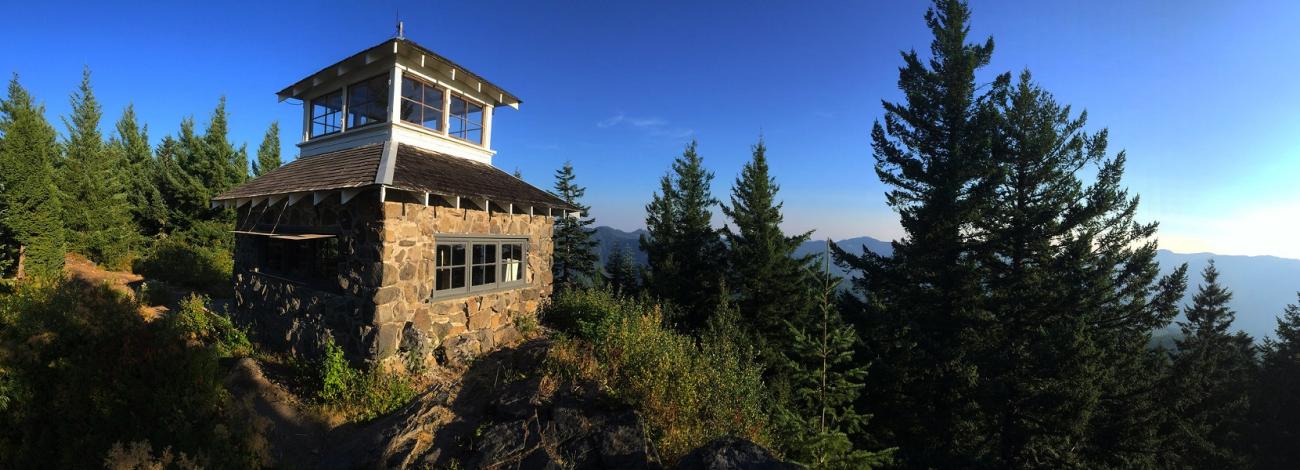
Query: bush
point(200, 258)
point(358, 395)
point(689, 393)
point(81, 369)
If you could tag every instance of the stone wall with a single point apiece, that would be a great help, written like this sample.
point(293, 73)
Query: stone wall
point(415, 328)
point(289, 316)
point(381, 310)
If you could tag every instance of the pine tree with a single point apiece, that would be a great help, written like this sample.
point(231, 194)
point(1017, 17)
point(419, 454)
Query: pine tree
point(93, 179)
point(1276, 404)
point(132, 146)
point(1047, 239)
point(920, 309)
point(820, 418)
point(268, 153)
point(621, 271)
point(766, 276)
point(31, 225)
point(1009, 327)
point(574, 259)
point(685, 252)
point(1209, 384)
point(181, 180)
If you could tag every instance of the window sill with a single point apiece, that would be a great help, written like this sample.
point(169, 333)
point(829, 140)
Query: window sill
point(461, 295)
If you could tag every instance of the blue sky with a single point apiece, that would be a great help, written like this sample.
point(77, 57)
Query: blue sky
point(1202, 95)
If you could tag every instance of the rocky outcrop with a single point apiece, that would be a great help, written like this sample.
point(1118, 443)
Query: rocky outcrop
point(733, 453)
point(500, 414)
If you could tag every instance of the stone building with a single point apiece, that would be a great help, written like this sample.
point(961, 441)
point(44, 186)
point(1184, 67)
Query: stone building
point(392, 233)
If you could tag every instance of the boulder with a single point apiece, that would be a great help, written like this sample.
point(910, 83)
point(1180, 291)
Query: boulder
point(732, 453)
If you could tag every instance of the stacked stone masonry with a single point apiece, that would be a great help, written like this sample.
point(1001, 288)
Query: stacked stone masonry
point(382, 311)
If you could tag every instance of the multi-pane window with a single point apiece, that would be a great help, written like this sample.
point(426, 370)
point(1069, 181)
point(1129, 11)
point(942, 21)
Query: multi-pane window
point(484, 270)
point(466, 120)
point(490, 264)
point(368, 101)
point(512, 262)
point(327, 114)
point(421, 103)
point(450, 267)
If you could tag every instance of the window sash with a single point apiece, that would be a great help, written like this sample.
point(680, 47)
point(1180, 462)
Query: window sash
point(495, 263)
point(422, 103)
point(466, 119)
point(327, 114)
point(368, 102)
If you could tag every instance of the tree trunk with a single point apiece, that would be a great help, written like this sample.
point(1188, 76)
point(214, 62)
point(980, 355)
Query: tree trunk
point(22, 258)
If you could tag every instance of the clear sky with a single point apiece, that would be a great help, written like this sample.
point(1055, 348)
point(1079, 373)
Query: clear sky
point(1204, 96)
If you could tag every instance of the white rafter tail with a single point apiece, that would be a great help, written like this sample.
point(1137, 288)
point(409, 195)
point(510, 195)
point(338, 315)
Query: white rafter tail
point(318, 196)
point(274, 199)
point(294, 198)
point(347, 195)
point(426, 199)
point(383, 193)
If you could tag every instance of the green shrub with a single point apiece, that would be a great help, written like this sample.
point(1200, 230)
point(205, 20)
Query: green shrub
point(358, 395)
point(688, 392)
point(81, 369)
point(194, 321)
point(200, 258)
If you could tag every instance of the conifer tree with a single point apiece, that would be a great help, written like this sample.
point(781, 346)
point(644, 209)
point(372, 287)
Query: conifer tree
point(621, 272)
point(96, 209)
point(31, 225)
point(132, 146)
point(1276, 403)
point(574, 258)
point(767, 278)
point(918, 308)
point(268, 153)
point(820, 418)
point(1209, 384)
point(685, 252)
point(182, 193)
point(1056, 332)
point(1009, 327)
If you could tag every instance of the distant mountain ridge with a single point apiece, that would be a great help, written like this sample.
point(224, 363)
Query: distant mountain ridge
point(1261, 285)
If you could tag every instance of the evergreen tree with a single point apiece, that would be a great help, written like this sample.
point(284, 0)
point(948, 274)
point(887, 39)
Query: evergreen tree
point(268, 154)
point(766, 276)
point(1209, 384)
point(31, 226)
point(1046, 242)
point(96, 209)
point(180, 161)
point(1009, 327)
point(621, 271)
point(820, 418)
point(685, 252)
point(920, 309)
point(1276, 406)
point(574, 259)
point(132, 147)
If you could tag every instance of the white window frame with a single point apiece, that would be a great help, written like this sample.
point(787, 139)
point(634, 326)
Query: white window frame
point(468, 241)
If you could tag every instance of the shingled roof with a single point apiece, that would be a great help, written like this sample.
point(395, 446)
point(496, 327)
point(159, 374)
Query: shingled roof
point(408, 168)
point(343, 169)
